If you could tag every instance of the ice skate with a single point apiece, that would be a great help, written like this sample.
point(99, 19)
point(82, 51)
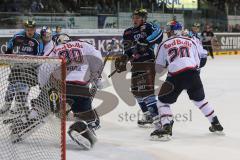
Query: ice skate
point(146, 121)
point(162, 134)
point(216, 126)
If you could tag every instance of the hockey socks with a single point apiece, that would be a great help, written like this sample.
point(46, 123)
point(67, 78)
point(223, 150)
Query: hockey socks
point(208, 112)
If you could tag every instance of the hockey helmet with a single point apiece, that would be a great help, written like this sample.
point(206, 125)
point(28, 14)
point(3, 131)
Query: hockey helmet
point(46, 33)
point(30, 23)
point(62, 39)
point(174, 26)
point(141, 12)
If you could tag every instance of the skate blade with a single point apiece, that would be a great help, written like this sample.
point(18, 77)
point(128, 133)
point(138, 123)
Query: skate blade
point(80, 140)
point(163, 138)
point(219, 133)
point(145, 126)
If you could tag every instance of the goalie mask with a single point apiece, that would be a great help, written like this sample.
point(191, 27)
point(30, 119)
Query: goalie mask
point(46, 33)
point(62, 39)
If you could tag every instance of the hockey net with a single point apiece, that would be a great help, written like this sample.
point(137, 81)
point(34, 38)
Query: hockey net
point(32, 108)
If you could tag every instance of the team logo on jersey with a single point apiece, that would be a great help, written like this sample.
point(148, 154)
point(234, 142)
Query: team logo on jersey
point(30, 43)
point(26, 49)
point(143, 34)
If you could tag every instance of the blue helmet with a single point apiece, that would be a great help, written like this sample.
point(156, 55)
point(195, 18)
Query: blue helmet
point(174, 25)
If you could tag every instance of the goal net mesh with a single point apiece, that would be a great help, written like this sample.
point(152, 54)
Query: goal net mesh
point(32, 108)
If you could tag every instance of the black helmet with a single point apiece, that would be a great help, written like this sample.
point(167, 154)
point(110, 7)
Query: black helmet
point(30, 23)
point(141, 12)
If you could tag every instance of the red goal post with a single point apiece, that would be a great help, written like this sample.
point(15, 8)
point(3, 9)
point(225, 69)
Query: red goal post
point(34, 131)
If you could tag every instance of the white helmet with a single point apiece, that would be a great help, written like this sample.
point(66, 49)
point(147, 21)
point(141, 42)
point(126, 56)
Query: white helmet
point(62, 39)
point(46, 33)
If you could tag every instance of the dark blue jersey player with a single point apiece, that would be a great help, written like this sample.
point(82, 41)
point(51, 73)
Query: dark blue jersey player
point(23, 76)
point(28, 41)
point(139, 42)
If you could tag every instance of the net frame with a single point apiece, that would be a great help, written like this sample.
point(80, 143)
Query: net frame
point(16, 58)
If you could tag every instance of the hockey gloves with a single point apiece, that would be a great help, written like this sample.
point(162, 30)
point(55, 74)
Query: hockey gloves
point(120, 63)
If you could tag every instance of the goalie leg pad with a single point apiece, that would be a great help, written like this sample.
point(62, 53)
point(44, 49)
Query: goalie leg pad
point(80, 133)
point(79, 104)
point(91, 117)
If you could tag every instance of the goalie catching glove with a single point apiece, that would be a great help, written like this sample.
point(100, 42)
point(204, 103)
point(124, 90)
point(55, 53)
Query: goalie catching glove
point(120, 63)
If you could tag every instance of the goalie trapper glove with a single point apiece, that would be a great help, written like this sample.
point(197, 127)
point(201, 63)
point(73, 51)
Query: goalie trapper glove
point(82, 135)
point(120, 63)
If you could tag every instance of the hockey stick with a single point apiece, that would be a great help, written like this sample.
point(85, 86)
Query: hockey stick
point(111, 74)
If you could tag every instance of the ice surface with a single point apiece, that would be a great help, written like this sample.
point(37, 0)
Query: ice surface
point(119, 139)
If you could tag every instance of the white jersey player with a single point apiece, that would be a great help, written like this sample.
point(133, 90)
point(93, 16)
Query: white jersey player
point(182, 58)
point(84, 64)
point(83, 61)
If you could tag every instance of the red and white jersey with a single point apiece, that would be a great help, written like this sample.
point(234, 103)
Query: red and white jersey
point(179, 54)
point(82, 59)
point(48, 48)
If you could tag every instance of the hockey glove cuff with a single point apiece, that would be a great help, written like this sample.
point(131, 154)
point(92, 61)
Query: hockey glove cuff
point(120, 63)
